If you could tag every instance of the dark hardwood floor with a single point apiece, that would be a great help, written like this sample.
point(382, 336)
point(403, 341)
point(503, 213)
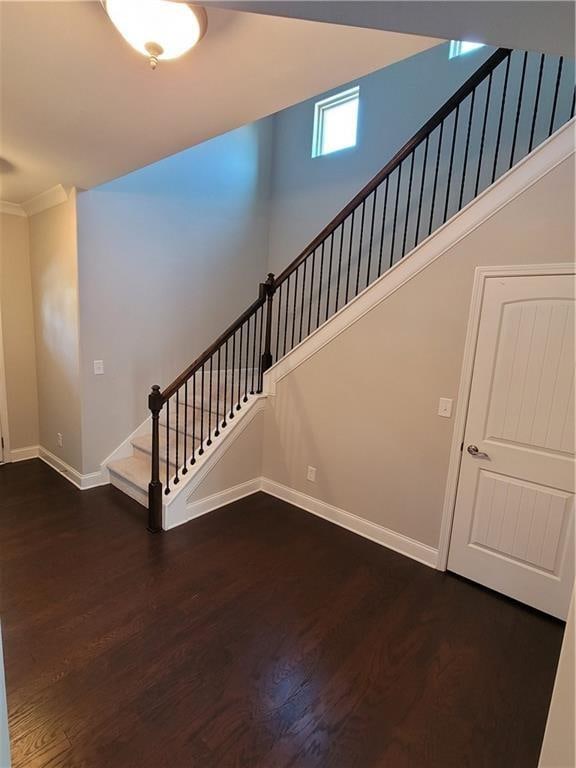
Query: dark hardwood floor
point(257, 636)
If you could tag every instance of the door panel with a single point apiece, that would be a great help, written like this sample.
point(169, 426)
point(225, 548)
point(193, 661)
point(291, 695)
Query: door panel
point(514, 517)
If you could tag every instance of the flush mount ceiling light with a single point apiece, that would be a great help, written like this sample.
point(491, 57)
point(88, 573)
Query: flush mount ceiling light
point(159, 29)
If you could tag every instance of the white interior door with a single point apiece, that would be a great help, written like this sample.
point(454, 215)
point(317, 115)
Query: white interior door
point(513, 525)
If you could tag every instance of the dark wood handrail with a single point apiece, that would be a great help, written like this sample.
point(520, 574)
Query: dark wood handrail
point(457, 98)
point(172, 388)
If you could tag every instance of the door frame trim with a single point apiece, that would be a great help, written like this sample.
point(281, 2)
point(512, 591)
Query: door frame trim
point(481, 274)
point(4, 426)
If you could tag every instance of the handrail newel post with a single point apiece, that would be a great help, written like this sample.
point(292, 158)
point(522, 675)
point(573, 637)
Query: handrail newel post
point(155, 403)
point(267, 290)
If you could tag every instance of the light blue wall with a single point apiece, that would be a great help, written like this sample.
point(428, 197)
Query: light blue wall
point(394, 103)
point(168, 256)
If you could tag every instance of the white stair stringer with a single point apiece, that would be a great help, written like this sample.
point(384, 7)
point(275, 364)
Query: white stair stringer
point(130, 471)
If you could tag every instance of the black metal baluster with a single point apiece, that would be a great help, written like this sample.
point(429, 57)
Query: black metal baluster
point(424, 162)
point(295, 273)
point(556, 89)
point(255, 316)
point(391, 260)
point(176, 477)
point(374, 195)
point(573, 103)
point(303, 299)
point(465, 162)
point(224, 409)
point(433, 201)
point(501, 120)
point(483, 136)
point(193, 459)
point(536, 101)
point(339, 276)
point(231, 414)
point(408, 196)
point(201, 449)
point(518, 109)
point(167, 484)
point(286, 314)
point(312, 270)
point(240, 368)
point(210, 385)
point(383, 227)
point(245, 398)
point(360, 249)
point(217, 431)
point(451, 163)
point(329, 276)
point(320, 284)
point(260, 371)
point(349, 258)
point(185, 462)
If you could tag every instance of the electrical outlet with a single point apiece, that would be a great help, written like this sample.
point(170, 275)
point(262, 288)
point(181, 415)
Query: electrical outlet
point(59, 439)
point(311, 474)
point(445, 407)
point(98, 367)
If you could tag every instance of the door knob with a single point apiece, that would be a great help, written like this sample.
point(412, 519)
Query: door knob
point(473, 451)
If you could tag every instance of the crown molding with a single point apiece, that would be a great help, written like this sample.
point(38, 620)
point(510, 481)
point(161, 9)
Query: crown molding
point(48, 199)
point(13, 209)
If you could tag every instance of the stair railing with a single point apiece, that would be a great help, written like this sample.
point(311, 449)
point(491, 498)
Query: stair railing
point(513, 102)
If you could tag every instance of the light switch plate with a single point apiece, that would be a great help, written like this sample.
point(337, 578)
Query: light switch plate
point(98, 367)
point(311, 474)
point(445, 407)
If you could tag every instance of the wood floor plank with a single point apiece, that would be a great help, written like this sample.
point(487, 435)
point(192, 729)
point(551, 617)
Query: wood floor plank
point(254, 637)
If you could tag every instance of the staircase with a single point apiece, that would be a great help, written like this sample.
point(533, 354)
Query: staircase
point(185, 433)
point(508, 107)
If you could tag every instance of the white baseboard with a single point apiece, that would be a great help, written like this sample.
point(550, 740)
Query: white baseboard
point(201, 507)
point(396, 541)
point(404, 545)
point(83, 482)
point(23, 454)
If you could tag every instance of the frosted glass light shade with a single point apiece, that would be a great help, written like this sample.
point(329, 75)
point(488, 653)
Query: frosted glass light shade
point(159, 29)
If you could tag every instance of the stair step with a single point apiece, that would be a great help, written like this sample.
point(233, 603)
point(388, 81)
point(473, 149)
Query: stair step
point(143, 447)
point(134, 470)
point(186, 427)
point(205, 402)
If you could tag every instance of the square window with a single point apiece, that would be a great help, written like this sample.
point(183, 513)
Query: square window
point(459, 47)
point(336, 122)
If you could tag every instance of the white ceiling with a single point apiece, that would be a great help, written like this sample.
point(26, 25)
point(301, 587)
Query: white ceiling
point(532, 25)
point(80, 107)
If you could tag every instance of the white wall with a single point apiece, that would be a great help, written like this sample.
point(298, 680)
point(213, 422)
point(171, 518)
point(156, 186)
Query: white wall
point(17, 327)
point(363, 409)
point(54, 268)
point(168, 256)
point(394, 103)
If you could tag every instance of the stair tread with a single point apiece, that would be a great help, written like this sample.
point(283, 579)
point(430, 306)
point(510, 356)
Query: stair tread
point(135, 469)
point(144, 443)
point(187, 425)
